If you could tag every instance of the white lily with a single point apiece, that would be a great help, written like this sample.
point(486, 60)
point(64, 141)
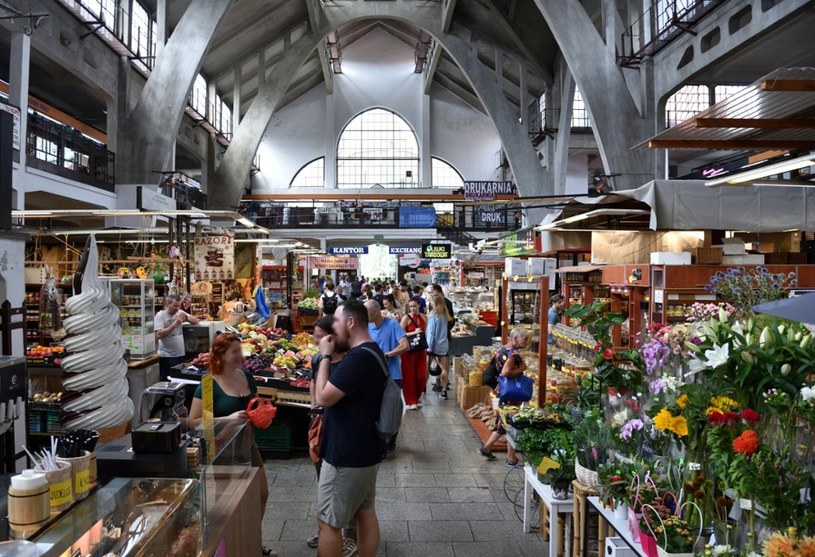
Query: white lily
point(717, 356)
point(696, 365)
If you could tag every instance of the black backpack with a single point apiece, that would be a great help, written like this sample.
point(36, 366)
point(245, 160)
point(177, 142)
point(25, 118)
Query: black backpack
point(330, 304)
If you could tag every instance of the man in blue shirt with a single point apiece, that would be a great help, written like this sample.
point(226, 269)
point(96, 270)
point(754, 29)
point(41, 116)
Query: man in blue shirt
point(556, 304)
point(390, 337)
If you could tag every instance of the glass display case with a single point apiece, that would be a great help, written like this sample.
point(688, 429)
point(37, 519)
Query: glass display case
point(136, 302)
point(128, 516)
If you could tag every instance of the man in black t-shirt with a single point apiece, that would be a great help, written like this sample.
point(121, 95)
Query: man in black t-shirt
point(351, 448)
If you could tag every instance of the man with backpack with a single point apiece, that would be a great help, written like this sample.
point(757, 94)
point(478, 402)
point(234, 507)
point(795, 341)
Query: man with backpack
point(329, 301)
point(355, 421)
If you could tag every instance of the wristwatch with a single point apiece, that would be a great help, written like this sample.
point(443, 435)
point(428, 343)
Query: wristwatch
point(322, 357)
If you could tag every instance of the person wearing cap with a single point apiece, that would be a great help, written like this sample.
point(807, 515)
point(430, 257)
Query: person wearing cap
point(556, 304)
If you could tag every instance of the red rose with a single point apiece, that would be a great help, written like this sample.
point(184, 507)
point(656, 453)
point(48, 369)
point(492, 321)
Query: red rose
point(746, 443)
point(750, 416)
point(597, 347)
point(609, 353)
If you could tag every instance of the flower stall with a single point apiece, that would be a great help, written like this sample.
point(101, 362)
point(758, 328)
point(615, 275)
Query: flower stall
point(701, 435)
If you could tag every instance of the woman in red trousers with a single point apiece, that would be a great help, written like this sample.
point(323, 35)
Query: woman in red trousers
point(414, 364)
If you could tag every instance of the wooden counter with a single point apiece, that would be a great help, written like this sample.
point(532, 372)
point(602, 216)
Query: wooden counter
point(235, 520)
point(148, 361)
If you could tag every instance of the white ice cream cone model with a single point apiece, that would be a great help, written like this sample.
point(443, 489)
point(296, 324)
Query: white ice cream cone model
point(94, 371)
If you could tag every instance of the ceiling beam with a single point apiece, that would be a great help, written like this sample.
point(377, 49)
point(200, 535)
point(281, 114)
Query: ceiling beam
point(788, 85)
point(328, 77)
point(507, 27)
point(278, 33)
point(259, 20)
point(310, 66)
point(448, 7)
point(730, 144)
point(459, 91)
point(431, 67)
point(755, 123)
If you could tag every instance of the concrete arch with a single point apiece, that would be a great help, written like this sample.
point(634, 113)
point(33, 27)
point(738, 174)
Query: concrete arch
point(617, 121)
point(226, 187)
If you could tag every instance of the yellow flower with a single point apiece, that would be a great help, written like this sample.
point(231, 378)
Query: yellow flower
point(679, 425)
point(663, 420)
point(682, 401)
point(724, 403)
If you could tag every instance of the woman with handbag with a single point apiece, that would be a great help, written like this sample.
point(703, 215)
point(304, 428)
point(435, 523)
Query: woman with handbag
point(510, 365)
point(414, 361)
point(438, 346)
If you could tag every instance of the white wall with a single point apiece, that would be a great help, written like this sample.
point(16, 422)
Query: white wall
point(378, 71)
point(462, 136)
point(577, 172)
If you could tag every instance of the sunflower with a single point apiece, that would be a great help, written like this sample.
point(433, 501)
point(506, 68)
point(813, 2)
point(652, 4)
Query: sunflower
point(663, 420)
point(682, 401)
point(679, 425)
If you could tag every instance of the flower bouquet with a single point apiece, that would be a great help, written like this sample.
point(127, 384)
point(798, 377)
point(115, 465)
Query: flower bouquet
point(673, 535)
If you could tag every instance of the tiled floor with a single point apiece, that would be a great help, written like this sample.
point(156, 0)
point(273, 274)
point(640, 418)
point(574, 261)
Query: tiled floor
point(435, 498)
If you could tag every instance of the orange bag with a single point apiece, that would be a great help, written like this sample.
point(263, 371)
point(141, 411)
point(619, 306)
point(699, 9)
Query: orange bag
point(261, 412)
point(315, 433)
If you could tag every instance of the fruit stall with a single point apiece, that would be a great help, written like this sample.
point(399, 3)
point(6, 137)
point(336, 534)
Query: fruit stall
point(306, 314)
point(281, 366)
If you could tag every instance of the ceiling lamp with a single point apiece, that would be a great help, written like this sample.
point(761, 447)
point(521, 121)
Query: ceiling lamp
point(780, 167)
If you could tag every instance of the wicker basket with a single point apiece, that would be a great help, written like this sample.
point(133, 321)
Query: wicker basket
point(586, 477)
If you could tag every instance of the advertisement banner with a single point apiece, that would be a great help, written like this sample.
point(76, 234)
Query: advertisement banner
point(15, 114)
point(411, 260)
point(348, 250)
point(399, 250)
point(340, 263)
point(417, 217)
point(437, 251)
point(245, 260)
point(214, 257)
point(487, 191)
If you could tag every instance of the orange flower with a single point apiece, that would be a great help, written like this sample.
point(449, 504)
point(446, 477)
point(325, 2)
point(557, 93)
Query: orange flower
point(778, 545)
point(746, 443)
point(806, 546)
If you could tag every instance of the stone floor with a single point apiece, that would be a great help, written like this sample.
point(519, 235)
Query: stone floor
point(437, 497)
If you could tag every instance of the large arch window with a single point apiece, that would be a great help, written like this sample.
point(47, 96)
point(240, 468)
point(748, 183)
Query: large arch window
point(377, 148)
point(445, 175)
point(311, 175)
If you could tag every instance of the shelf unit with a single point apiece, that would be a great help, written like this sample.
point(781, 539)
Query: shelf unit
point(275, 280)
point(136, 302)
point(34, 309)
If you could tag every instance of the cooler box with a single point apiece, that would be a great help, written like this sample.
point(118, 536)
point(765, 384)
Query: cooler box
point(670, 258)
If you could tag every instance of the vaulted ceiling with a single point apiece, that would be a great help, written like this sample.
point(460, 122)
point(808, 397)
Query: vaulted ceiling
point(256, 32)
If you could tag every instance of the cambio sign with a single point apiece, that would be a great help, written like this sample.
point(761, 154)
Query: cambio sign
point(348, 250)
point(436, 251)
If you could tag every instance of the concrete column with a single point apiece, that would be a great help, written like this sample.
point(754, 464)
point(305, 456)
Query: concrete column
point(212, 93)
point(524, 95)
point(425, 156)
point(560, 161)
point(19, 67)
point(330, 166)
point(236, 99)
point(162, 25)
point(610, 16)
point(262, 66)
point(499, 66)
point(618, 124)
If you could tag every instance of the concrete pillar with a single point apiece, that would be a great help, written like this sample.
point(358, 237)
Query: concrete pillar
point(425, 156)
point(524, 95)
point(610, 25)
point(560, 162)
point(212, 93)
point(162, 25)
point(499, 66)
point(236, 99)
point(330, 166)
point(147, 137)
point(262, 66)
point(618, 124)
point(19, 67)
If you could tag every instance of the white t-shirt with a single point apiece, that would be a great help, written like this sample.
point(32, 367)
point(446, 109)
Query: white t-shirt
point(171, 346)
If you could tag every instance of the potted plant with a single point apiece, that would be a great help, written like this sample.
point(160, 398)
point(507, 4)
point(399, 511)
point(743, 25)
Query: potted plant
point(592, 442)
point(562, 476)
point(615, 479)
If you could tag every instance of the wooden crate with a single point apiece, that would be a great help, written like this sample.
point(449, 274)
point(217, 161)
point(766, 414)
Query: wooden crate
point(707, 256)
point(776, 258)
point(797, 258)
point(584, 545)
point(470, 396)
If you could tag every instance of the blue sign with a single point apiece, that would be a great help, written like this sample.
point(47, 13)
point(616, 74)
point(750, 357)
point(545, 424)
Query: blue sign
point(348, 250)
point(417, 217)
point(399, 250)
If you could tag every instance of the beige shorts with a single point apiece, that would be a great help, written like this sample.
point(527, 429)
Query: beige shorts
point(344, 491)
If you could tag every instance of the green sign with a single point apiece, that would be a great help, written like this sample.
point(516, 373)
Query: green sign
point(518, 244)
point(436, 251)
point(379, 237)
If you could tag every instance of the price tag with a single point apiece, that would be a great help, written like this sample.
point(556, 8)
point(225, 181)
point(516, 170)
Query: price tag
point(208, 413)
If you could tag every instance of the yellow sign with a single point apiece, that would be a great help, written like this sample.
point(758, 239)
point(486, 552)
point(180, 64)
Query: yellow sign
point(82, 481)
point(208, 412)
point(61, 493)
point(548, 464)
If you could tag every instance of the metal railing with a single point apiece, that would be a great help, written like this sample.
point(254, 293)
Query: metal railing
point(185, 195)
point(661, 23)
point(64, 151)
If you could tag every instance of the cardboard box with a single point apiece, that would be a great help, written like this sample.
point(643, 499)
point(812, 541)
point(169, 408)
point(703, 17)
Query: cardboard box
point(458, 366)
point(536, 266)
point(514, 266)
point(670, 258)
point(745, 259)
point(732, 246)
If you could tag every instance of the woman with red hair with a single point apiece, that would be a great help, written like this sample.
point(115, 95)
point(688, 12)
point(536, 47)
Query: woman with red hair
point(232, 389)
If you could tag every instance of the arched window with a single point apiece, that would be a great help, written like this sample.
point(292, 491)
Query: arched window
point(580, 113)
point(311, 175)
point(444, 175)
point(377, 147)
point(686, 103)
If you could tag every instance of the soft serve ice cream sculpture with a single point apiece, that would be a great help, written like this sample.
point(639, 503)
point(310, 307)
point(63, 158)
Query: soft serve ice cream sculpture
point(95, 369)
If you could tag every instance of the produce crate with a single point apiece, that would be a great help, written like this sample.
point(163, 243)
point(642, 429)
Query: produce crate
point(707, 256)
point(470, 396)
point(276, 440)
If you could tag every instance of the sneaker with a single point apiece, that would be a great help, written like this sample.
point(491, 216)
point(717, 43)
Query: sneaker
point(444, 395)
point(437, 388)
point(412, 407)
point(419, 404)
point(312, 542)
point(512, 463)
point(486, 454)
point(349, 547)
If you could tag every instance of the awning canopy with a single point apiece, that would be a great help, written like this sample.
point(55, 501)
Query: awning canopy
point(776, 112)
point(690, 205)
